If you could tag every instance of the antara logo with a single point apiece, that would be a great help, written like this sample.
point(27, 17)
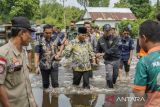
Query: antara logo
point(130, 99)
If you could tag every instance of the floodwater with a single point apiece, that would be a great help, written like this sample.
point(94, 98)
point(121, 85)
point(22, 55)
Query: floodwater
point(98, 96)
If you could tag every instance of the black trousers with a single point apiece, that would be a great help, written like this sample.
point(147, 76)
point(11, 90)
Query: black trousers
point(125, 64)
point(46, 74)
point(91, 74)
point(77, 78)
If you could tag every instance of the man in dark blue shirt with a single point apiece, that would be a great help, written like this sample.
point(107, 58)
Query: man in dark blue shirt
point(126, 47)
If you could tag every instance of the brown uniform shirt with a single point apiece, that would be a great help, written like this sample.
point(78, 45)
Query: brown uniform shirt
point(14, 75)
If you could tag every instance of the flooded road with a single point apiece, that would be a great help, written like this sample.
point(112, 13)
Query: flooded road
point(98, 96)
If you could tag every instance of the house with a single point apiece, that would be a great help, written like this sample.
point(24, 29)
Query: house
point(107, 15)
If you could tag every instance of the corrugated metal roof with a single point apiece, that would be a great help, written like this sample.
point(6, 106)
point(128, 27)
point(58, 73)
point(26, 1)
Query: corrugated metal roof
point(111, 16)
point(105, 13)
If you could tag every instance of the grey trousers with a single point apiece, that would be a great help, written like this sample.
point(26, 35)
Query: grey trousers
point(112, 68)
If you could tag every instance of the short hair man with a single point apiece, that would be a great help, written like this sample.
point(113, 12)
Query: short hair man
point(147, 77)
point(72, 32)
point(126, 47)
point(109, 45)
point(47, 57)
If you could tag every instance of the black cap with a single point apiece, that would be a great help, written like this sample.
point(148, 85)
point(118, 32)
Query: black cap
point(107, 27)
point(82, 30)
point(22, 22)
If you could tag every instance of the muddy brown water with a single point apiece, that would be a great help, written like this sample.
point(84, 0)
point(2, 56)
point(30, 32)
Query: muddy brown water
point(98, 96)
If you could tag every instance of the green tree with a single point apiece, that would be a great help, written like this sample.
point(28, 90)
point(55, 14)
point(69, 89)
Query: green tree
point(11, 8)
point(52, 13)
point(139, 2)
point(141, 8)
point(134, 26)
point(141, 11)
point(122, 4)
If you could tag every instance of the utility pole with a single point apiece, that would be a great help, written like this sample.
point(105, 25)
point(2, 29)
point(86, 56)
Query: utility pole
point(85, 3)
point(64, 14)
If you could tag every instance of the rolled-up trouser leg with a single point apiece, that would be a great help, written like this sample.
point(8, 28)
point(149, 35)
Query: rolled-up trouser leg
point(54, 77)
point(45, 78)
point(115, 70)
point(109, 75)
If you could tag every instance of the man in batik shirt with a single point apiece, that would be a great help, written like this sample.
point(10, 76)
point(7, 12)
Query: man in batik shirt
point(81, 53)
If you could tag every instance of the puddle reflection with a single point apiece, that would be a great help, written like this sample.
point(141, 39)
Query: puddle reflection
point(90, 100)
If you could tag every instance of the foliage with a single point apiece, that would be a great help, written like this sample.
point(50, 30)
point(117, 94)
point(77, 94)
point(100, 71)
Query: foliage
point(122, 4)
point(141, 8)
point(11, 8)
point(138, 1)
point(53, 13)
point(141, 11)
point(134, 26)
point(49, 12)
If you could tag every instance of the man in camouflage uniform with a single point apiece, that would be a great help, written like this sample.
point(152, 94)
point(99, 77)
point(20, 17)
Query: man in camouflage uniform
point(72, 33)
point(47, 57)
point(15, 87)
point(81, 53)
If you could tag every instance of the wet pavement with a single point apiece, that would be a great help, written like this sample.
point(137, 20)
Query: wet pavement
point(98, 96)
